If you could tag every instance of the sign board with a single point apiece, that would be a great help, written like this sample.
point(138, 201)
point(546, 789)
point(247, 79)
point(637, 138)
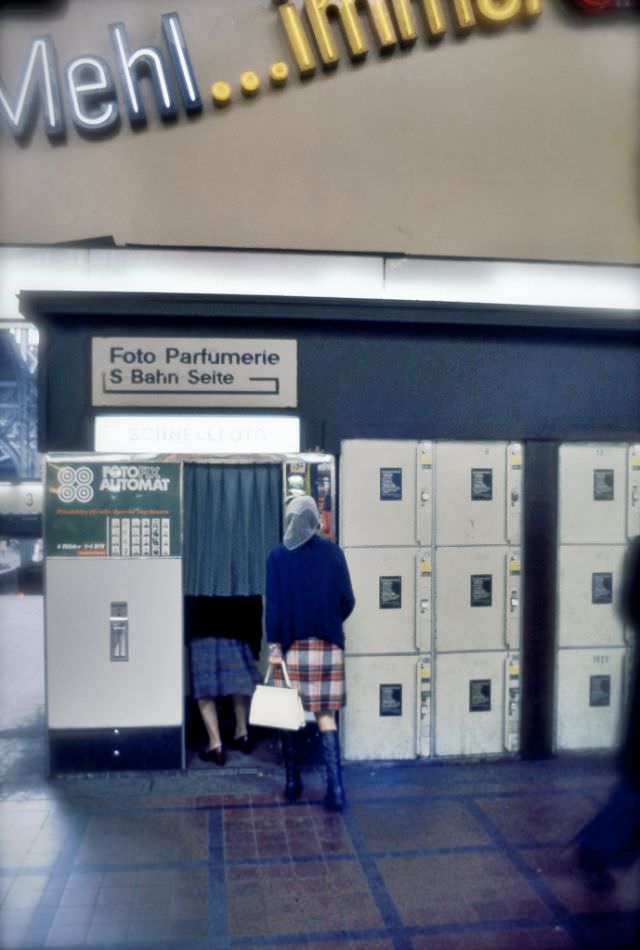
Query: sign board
point(192, 371)
point(112, 509)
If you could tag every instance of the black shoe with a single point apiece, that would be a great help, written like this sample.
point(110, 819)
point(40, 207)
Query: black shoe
point(334, 800)
point(243, 744)
point(217, 756)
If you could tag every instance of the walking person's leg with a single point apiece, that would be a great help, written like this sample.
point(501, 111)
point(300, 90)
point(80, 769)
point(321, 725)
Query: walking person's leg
point(209, 713)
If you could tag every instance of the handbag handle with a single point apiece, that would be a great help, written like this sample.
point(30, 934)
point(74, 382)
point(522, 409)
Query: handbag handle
point(285, 673)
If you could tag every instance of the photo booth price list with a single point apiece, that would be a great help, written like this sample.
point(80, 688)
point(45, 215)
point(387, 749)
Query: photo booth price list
point(139, 537)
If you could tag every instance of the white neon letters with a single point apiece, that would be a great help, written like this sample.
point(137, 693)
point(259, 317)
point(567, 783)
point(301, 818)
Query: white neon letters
point(90, 89)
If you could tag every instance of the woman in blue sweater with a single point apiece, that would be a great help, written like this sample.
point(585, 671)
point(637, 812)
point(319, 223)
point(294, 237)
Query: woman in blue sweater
point(308, 596)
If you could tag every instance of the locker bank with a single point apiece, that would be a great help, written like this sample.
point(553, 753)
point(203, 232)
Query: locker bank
point(482, 470)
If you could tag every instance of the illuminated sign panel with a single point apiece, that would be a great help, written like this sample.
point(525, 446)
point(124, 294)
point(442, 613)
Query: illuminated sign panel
point(96, 93)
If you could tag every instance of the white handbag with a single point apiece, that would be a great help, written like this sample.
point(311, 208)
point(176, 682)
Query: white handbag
point(277, 707)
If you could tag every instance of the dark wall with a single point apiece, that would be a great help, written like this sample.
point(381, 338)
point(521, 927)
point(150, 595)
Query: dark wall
point(392, 380)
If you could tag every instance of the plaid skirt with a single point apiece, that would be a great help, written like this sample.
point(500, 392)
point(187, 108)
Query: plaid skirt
point(222, 667)
point(316, 668)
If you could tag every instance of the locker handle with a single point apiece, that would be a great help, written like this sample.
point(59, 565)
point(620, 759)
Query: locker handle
point(424, 604)
point(424, 497)
point(514, 601)
point(515, 497)
point(634, 495)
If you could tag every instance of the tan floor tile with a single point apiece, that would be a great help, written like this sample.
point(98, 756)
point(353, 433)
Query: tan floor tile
point(459, 888)
point(420, 825)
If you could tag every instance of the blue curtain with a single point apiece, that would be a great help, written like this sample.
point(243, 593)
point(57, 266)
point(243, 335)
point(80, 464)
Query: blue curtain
point(232, 519)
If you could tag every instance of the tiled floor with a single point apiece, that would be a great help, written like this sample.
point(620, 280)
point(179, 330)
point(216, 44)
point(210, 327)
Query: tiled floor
point(430, 857)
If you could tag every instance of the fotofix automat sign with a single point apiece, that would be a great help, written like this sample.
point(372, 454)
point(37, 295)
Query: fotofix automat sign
point(112, 509)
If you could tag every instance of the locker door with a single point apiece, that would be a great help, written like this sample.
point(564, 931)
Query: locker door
point(589, 584)
point(478, 490)
point(385, 493)
point(593, 493)
point(477, 600)
point(470, 708)
point(379, 721)
point(590, 691)
point(393, 603)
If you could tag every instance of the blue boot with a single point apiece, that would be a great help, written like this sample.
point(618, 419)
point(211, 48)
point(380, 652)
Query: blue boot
point(334, 800)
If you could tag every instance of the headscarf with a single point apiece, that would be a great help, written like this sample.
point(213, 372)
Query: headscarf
point(301, 521)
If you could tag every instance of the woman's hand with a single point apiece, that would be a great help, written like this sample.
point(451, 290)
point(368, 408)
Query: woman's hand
point(275, 654)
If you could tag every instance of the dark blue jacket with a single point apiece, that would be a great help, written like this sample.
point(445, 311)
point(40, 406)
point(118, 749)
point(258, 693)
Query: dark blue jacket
point(308, 593)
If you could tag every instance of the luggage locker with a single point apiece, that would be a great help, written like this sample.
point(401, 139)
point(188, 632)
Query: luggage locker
point(590, 691)
point(478, 490)
point(589, 586)
point(470, 705)
point(599, 506)
point(379, 721)
point(593, 493)
point(393, 600)
point(477, 598)
point(385, 491)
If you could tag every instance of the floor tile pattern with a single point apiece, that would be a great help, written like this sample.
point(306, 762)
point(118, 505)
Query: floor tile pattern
point(428, 856)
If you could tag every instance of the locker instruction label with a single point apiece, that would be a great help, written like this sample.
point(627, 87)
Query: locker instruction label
point(481, 590)
point(390, 484)
point(600, 690)
point(481, 484)
point(602, 588)
point(603, 484)
point(479, 695)
point(390, 699)
point(390, 593)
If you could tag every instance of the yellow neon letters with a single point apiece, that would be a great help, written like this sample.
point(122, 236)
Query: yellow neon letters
point(497, 12)
point(297, 36)
point(391, 21)
point(318, 14)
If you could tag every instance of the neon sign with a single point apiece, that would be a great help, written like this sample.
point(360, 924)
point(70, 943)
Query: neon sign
point(95, 95)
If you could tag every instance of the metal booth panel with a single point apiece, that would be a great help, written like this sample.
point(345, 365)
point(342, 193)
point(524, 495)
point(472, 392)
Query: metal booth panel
point(385, 492)
point(393, 600)
point(590, 688)
point(593, 493)
point(478, 489)
point(477, 598)
point(588, 588)
point(114, 642)
point(379, 721)
point(470, 704)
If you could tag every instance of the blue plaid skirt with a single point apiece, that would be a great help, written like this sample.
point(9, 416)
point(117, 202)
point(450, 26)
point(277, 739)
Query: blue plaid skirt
point(222, 667)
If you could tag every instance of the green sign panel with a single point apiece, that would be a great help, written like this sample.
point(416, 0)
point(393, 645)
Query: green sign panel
point(112, 509)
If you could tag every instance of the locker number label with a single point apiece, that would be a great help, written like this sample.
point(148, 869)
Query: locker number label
point(602, 588)
point(390, 699)
point(600, 690)
point(390, 593)
point(390, 484)
point(479, 695)
point(603, 483)
point(481, 484)
point(481, 590)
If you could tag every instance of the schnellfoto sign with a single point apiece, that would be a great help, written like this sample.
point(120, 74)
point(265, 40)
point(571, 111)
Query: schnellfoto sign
point(191, 371)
